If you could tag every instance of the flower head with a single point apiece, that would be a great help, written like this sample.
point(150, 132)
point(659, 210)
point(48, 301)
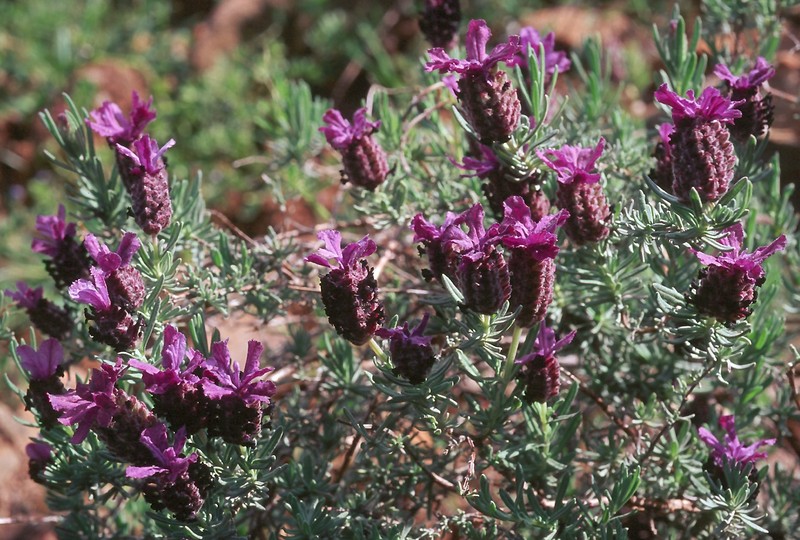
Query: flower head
point(574, 164)
point(748, 263)
point(92, 292)
point(168, 458)
point(146, 155)
point(108, 120)
point(531, 40)
point(228, 378)
point(546, 344)
point(172, 372)
point(411, 351)
point(333, 256)
point(43, 363)
point(109, 260)
point(730, 449)
point(761, 73)
point(540, 373)
point(25, 297)
point(711, 105)
point(53, 231)
point(477, 60)
point(340, 133)
point(518, 230)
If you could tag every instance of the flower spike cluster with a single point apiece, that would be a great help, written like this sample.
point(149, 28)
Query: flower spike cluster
point(579, 191)
point(490, 102)
point(411, 351)
point(139, 160)
point(363, 160)
point(702, 154)
point(541, 371)
point(756, 108)
point(349, 290)
point(727, 286)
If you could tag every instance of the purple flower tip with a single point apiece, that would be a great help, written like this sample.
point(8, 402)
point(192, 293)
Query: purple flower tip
point(93, 293)
point(553, 59)
point(146, 154)
point(24, 296)
point(761, 73)
point(43, 363)
point(736, 258)
point(518, 230)
point(109, 260)
point(228, 378)
point(404, 334)
point(730, 449)
point(346, 258)
point(574, 164)
point(168, 457)
point(481, 168)
point(477, 60)
point(546, 344)
point(53, 231)
point(41, 452)
point(711, 105)
point(109, 121)
point(340, 133)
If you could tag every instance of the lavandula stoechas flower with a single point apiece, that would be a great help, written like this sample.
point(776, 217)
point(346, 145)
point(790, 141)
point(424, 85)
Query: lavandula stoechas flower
point(124, 282)
point(661, 174)
point(148, 183)
point(756, 108)
point(110, 122)
point(349, 290)
point(726, 287)
point(113, 324)
point(540, 370)
point(174, 481)
point(500, 184)
point(482, 273)
point(490, 102)
point(177, 393)
point(439, 22)
point(579, 191)
point(703, 156)
point(49, 318)
point(531, 40)
point(39, 456)
point(531, 249)
point(235, 397)
point(117, 418)
point(44, 373)
point(443, 244)
point(68, 258)
point(412, 354)
point(363, 160)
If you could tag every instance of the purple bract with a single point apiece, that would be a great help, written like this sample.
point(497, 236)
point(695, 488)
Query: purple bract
point(146, 154)
point(229, 379)
point(340, 133)
point(737, 258)
point(24, 296)
point(711, 105)
point(761, 73)
point(109, 121)
point(108, 260)
point(477, 60)
point(546, 344)
point(518, 230)
point(43, 363)
point(54, 230)
point(730, 449)
point(168, 457)
point(94, 292)
point(574, 164)
point(332, 255)
point(553, 59)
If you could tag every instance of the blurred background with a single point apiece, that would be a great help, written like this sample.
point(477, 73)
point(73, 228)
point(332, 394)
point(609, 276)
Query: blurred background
point(221, 72)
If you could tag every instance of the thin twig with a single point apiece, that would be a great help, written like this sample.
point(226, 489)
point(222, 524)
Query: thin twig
point(605, 407)
point(223, 219)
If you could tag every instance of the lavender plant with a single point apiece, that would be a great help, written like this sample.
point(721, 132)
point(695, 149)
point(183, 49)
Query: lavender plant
point(477, 376)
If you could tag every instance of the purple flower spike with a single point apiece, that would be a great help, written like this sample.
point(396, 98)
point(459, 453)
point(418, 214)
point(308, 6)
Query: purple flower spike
point(756, 108)
point(167, 457)
point(44, 363)
point(109, 121)
point(411, 351)
point(363, 160)
point(230, 379)
point(711, 105)
point(540, 373)
point(761, 73)
point(730, 449)
point(574, 164)
point(125, 284)
point(93, 293)
point(477, 60)
point(727, 286)
point(146, 154)
point(553, 59)
point(54, 231)
point(68, 260)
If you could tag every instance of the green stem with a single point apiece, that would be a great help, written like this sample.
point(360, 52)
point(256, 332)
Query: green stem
point(508, 368)
point(377, 350)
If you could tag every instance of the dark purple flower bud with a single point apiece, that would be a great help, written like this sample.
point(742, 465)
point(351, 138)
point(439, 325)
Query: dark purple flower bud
point(108, 121)
point(40, 455)
point(68, 258)
point(540, 370)
point(148, 183)
point(412, 354)
point(124, 282)
point(44, 370)
point(501, 184)
point(349, 290)
point(757, 109)
point(177, 394)
point(363, 160)
point(727, 286)
point(731, 450)
point(703, 156)
point(490, 102)
point(579, 191)
point(661, 174)
point(530, 42)
point(171, 483)
point(445, 244)
point(484, 279)
point(531, 248)
point(439, 22)
point(236, 398)
point(49, 318)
